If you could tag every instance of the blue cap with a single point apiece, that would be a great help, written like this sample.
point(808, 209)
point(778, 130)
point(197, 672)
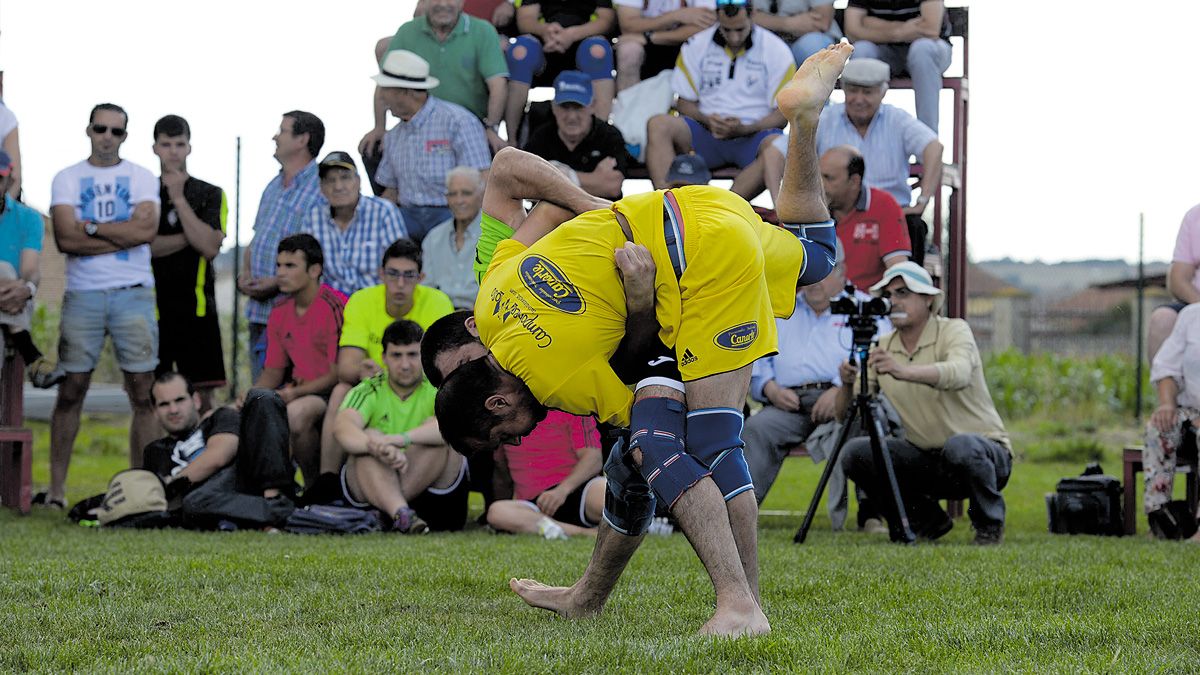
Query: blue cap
point(688, 170)
point(5, 163)
point(572, 86)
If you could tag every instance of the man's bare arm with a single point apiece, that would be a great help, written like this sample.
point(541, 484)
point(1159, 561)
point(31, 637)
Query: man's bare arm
point(517, 175)
point(70, 237)
point(1179, 282)
point(219, 451)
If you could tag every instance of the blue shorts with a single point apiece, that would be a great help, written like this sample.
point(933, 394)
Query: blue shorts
point(127, 314)
point(718, 153)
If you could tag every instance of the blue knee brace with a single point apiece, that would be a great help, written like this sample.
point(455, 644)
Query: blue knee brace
point(657, 428)
point(714, 436)
point(596, 67)
point(525, 58)
point(628, 501)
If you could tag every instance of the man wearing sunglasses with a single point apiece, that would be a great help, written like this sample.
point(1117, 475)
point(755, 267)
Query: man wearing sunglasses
point(105, 213)
point(725, 81)
point(360, 351)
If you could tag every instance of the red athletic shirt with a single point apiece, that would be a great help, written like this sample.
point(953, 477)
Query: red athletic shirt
point(872, 231)
point(308, 343)
point(550, 453)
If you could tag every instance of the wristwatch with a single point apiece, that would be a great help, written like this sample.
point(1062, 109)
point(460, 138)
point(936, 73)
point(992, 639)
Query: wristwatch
point(32, 288)
point(90, 229)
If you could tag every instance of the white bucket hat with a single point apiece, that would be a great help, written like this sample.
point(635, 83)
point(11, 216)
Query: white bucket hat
point(917, 280)
point(404, 69)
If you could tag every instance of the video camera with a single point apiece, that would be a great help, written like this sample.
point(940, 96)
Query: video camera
point(862, 313)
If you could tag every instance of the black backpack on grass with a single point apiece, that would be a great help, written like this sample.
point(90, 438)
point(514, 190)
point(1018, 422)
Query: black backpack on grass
point(1088, 504)
point(320, 519)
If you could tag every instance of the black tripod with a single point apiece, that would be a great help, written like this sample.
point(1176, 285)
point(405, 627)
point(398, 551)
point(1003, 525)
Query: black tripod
point(863, 326)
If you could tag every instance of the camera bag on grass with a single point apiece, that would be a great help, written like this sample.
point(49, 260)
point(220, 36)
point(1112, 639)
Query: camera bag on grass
point(321, 519)
point(1088, 504)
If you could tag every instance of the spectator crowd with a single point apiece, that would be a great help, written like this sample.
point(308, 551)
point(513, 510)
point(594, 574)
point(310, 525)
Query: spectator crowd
point(342, 283)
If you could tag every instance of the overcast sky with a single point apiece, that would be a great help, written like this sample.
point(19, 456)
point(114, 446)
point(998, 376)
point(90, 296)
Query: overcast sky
point(1080, 118)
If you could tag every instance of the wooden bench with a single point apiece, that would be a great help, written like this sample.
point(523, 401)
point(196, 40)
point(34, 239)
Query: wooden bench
point(1132, 460)
point(16, 442)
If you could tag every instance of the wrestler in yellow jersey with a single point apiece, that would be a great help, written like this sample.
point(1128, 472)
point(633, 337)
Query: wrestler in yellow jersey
point(553, 314)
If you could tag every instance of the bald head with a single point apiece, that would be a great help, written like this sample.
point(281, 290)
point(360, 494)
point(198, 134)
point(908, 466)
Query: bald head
point(842, 169)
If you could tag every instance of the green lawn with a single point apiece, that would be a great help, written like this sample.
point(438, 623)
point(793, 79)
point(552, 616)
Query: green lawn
point(83, 599)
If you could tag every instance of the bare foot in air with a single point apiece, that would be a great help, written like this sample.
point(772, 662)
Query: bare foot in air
point(732, 623)
point(557, 599)
point(803, 97)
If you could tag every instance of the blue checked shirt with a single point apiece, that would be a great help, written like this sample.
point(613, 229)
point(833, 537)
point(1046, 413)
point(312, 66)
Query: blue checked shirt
point(892, 137)
point(418, 154)
point(353, 256)
point(280, 212)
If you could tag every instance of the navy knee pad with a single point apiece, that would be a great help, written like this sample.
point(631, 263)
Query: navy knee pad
point(714, 436)
point(628, 501)
point(597, 67)
point(656, 428)
point(525, 58)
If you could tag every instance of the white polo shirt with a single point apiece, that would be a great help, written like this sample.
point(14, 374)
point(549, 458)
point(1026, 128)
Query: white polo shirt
point(744, 84)
point(653, 8)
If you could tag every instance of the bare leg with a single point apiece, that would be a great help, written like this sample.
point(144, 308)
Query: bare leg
point(603, 92)
point(586, 597)
point(773, 162)
point(332, 455)
point(630, 56)
point(64, 427)
point(728, 390)
point(802, 198)
point(1162, 322)
point(429, 466)
point(206, 398)
point(510, 515)
point(514, 109)
point(303, 414)
point(666, 136)
point(144, 427)
point(376, 483)
point(748, 184)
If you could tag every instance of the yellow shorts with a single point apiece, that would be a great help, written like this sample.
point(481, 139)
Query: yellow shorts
point(739, 274)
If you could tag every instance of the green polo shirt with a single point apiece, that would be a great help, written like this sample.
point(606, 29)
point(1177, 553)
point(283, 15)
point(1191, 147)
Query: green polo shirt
point(462, 64)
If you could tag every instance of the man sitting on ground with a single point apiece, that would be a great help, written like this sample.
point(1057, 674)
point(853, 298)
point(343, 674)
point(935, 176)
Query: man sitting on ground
point(398, 461)
point(955, 446)
point(557, 488)
point(225, 466)
point(302, 338)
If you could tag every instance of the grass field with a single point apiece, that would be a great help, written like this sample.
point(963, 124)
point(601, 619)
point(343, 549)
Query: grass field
point(86, 600)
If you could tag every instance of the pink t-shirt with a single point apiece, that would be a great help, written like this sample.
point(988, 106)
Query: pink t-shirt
point(308, 343)
point(1187, 242)
point(548, 455)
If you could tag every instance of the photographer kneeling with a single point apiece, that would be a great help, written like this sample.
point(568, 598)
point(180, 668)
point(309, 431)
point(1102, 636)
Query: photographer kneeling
point(954, 444)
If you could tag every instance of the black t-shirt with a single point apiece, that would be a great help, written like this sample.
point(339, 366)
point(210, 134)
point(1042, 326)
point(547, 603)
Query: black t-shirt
point(898, 10)
point(569, 13)
point(184, 277)
point(604, 140)
point(169, 455)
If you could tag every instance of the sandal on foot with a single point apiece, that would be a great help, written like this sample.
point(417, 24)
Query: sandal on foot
point(44, 499)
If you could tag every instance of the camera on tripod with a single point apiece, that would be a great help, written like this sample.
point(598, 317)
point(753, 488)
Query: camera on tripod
point(862, 313)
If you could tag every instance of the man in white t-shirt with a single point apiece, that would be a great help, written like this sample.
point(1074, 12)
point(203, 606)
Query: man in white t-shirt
point(725, 79)
point(105, 213)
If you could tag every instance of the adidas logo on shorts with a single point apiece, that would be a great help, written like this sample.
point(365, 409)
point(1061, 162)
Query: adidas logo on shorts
point(688, 358)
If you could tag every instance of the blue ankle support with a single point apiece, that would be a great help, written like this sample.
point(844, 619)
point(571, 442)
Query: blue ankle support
point(657, 429)
point(531, 59)
point(596, 67)
point(628, 501)
point(714, 436)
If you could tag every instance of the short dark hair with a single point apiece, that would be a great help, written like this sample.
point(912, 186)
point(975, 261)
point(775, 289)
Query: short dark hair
point(448, 332)
point(463, 417)
point(308, 123)
point(402, 332)
point(403, 248)
point(171, 126)
point(306, 244)
point(168, 377)
point(856, 166)
point(111, 107)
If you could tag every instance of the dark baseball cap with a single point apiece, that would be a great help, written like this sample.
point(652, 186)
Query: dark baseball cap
point(688, 170)
point(337, 160)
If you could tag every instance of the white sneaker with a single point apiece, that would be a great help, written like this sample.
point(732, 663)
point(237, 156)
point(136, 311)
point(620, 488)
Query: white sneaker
point(661, 527)
point(550, 529)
